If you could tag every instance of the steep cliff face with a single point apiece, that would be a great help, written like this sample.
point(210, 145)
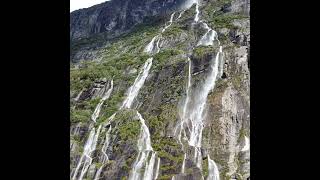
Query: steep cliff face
point(166, 99)
point(117, 16)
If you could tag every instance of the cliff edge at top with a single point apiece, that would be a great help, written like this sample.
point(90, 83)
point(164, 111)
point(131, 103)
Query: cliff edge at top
point(117, 16)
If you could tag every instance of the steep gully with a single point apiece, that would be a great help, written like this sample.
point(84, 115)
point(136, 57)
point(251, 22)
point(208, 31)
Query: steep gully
point(191, 111)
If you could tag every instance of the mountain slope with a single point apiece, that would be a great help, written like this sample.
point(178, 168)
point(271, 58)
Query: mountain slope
point(165, 99)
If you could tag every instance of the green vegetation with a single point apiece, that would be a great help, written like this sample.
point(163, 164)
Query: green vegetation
point(166, 177)
point(205, 170)
point(128, 127)
point(80, 115)
point(225, 20)
point(172, 31)
point(201, 51)
point(165, 57)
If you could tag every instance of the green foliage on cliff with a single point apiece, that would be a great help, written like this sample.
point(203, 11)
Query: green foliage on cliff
point(128, 127)
point(201, 51)
point(82, 115)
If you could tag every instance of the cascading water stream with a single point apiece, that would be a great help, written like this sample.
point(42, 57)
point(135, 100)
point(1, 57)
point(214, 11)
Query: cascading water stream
point(153, 46)
point(144, 142)
point(213, 172)
point(196, 17)
point(180, 14)
point(184, 163)
point(138, 83)
point(170, 22)
point(105, 158)
point(157, 169)
point(96, 112)
point(209, 37)
point(89, 147)
point(145, 148)
point(184, 109)
point(246, 146)
point(193, 108)
point(149, 48)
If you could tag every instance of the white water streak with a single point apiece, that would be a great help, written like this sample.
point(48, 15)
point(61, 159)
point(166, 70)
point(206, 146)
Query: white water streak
point(208, 38)
point(148, 173)
point(103, 150)
point(158, 168)
point(184, 109)
point(157, 45)
point(89, 147)
point(221, 62)
point(138, 83)
point(184, 163)
point(182, 12)
point(78, 96)
point(96, 112)
point(196, 17)
point(144, 142)
point(246, 146)
point(213, 172)
point(196, 114)
point(170, 22)
point(149, 48)
point(145, 148)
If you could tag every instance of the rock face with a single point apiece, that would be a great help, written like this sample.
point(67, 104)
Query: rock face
point(179, 64)
point(117, 16)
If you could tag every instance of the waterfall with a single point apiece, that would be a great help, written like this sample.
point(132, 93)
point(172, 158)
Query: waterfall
point(105, 158)
point(189, 75)
point(96, 112)
point(157, 169)
point(196, 17)
point(221, 62)
point(180, 14)
point(213, 172)
point(138, 83)
point(157, 45)
point(170, 22)
point(208, 38)
point(89, 147)
point(193, 109)
point(145, 148)
point(144, 142)
point(196, 114)
point(150, 46)
point(184, 163)
point(246, 146)
point(78, 96)
point(148, 173)
point(198, 157)
point(184, 109)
